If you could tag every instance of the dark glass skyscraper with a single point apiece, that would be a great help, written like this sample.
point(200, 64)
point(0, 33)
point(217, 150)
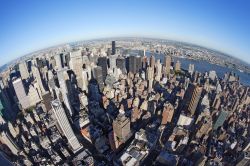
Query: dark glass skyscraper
point(102, 62)
point(113, 48)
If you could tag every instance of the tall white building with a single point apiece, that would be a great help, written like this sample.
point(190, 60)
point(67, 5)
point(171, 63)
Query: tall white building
point(7, 140)
point(65, 125)
point(20, 93)
point(23, 70)
point(76, 64)
point(37, 76)
point(58, 61)
point(62, 76)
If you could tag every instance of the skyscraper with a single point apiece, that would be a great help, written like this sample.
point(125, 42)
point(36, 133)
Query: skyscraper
point(58, 59)
point(112, 62)
point(102, 62)
point(135, 64)
point(37, 76)
point(167, 63)
point(65, 125)
point(178, 66)
point(63, 77)
point(121, 127)
point(121, 64)
point(150, 78)
point(167, 113)
point(23, 70)
point(192, 97)
point(76, 65)
point(113, 48)
point(21, 93)
point(220, 119)
point(98, 75)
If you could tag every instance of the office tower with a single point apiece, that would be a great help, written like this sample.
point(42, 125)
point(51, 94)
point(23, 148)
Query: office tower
point(33, 96)
point(152, 61)
point(76, 65)
point(167, 63)
point(132, 64)
point(150, 78)
point(47, 100)
point(98, 75)
point(5, 106)
point(102, 62)
point(121, 128)
point(158, 70)
point(244, 159)
point(21, 93)
point(6, 139)
point(112, 62)
point(65, 125)
point(121, 64)
point(220, 119)
point(135, 64)
point(191, 69)
point(178, 66)
point(192, 97)
point(37, 76)
point(94, 90)
point(138, 63)
point(113, 48)
point(212, 75)
point(59, 62)
point(23, 70)
point(85, 76)
point(144, 62)
point(167, 114)
point(63, 79)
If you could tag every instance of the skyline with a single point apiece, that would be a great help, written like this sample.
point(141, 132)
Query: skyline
point(32, 26)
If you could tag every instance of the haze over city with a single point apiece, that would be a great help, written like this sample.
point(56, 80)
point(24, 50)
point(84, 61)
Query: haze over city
point(32, 25)
point(124, 83)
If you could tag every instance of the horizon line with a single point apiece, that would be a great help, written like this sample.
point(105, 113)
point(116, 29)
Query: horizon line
point(116, 37)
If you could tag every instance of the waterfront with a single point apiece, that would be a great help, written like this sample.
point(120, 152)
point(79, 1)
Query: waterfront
point(204, 66)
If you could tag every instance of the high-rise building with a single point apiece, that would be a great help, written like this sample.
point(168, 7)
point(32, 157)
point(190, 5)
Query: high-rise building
point(191, 69)
point(37, 76)
point(158, 70)
point(121, 128)
point(59, 62)
point(5, 106)
point(76, 65)
point(121, 64)
point(152, 61)
point(21, 93)
point(6, 139)
point(220, 119)
point(135, 64)
point(65, 125)
point(98, 75)
point(63, 78)
point(167, 64)
point(112, 62)
point(102, 62)
point(192, 98)
point(47, 100)
point(178, 66)
point(23, 70)
point(167, 113)
point(113, 48)
point(150, 78)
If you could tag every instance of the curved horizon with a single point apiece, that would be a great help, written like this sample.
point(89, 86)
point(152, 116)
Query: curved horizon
point(123, 37)
point(35, 25)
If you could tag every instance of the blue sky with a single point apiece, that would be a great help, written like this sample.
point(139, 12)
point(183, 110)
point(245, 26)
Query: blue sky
point(29, 25)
